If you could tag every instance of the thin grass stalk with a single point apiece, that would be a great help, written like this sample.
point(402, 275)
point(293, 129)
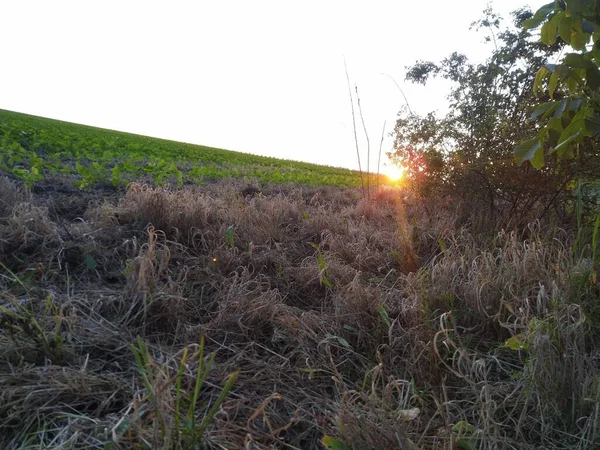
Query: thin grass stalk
point(21, 313)
point(178, 391)
point(595, 239)
point(197, 385)
point(216, 405)
point(362, 183)
point(379, 158)
point(201, 375)
point(15, 278)
point(141, 356)
point(368, 143)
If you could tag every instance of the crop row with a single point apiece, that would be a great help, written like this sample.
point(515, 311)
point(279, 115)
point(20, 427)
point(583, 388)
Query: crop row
point(33, 148)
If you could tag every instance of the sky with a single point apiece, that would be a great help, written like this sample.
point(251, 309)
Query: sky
point(262, 77)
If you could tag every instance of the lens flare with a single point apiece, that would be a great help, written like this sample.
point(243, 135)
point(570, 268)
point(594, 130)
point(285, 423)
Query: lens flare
point(394, 173)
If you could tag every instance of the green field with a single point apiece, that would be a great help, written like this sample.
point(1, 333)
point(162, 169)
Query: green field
point(34, 148)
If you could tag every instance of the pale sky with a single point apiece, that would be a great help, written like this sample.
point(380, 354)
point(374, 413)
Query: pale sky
point(263, 77)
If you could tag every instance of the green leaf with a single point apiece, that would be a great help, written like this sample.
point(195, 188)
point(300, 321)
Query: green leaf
point(539, 16)
point(592, 77)
point(549, 29)
point(572, 132)
point(517, 342)
point(542, 109)
point(90, 263)
point(321, 261)
point(565, 26)
point(560, 108)
point(465, 443)
point(229, 236)
point(596, 53)
point(332, 443)
point(595, 238)
point(552, 84)
point(571, 85)
point(341, 340)
point(384, 315)
point(442, 244)
point(551, 132)
point(579, 39)
point(574, 8)
point(577, 61)
point(530, 150)
point(592, 125)
point(539, 77)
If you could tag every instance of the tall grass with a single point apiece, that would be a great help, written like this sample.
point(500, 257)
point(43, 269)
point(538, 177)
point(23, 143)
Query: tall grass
point(372, 323)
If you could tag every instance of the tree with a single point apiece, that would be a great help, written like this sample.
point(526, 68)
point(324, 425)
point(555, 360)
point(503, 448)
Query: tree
point(469, 151)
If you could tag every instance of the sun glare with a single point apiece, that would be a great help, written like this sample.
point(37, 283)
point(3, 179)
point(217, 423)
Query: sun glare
point(394, 173)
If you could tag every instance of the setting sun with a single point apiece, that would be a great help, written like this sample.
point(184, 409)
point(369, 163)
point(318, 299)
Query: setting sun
point(394, 173)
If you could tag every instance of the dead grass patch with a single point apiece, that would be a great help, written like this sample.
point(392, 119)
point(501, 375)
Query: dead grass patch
point(375, 322)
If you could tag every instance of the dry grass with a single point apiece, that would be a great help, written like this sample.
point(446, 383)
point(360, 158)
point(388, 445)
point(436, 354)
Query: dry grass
point(377, 322)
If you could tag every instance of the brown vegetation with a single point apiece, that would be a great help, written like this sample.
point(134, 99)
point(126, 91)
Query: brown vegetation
point(382, 323)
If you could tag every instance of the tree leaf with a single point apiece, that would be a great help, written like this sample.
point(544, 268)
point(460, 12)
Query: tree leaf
point(552, 84)
point(592, 125)
point(579, 39)
point(577, 61)
point(587, 26)
point(530, 150)
point(549, 29)
point(560, 108)
point(575, 105)
point(572, 132)
point(565, 26)
point(542, 109)
point(539, 16)
point(539, 77)
point(549, 134)
point(544, 33)
point(592, 77)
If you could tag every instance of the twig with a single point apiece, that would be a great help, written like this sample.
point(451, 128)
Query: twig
point(401, 91)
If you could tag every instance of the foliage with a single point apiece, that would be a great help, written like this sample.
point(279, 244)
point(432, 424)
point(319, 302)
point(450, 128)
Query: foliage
point(468, 152)
point(185, 432)
point(34, 148)
point(570, 118)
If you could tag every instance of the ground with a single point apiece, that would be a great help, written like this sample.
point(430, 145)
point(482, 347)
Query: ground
point(372, 321)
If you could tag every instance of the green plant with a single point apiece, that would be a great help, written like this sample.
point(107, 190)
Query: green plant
point(324, 277)
point(332, 443)
point(34, 147)
point(229, 236)
point(183, 430)
point(468, 152)
point(21, 322)
point(572, 114)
